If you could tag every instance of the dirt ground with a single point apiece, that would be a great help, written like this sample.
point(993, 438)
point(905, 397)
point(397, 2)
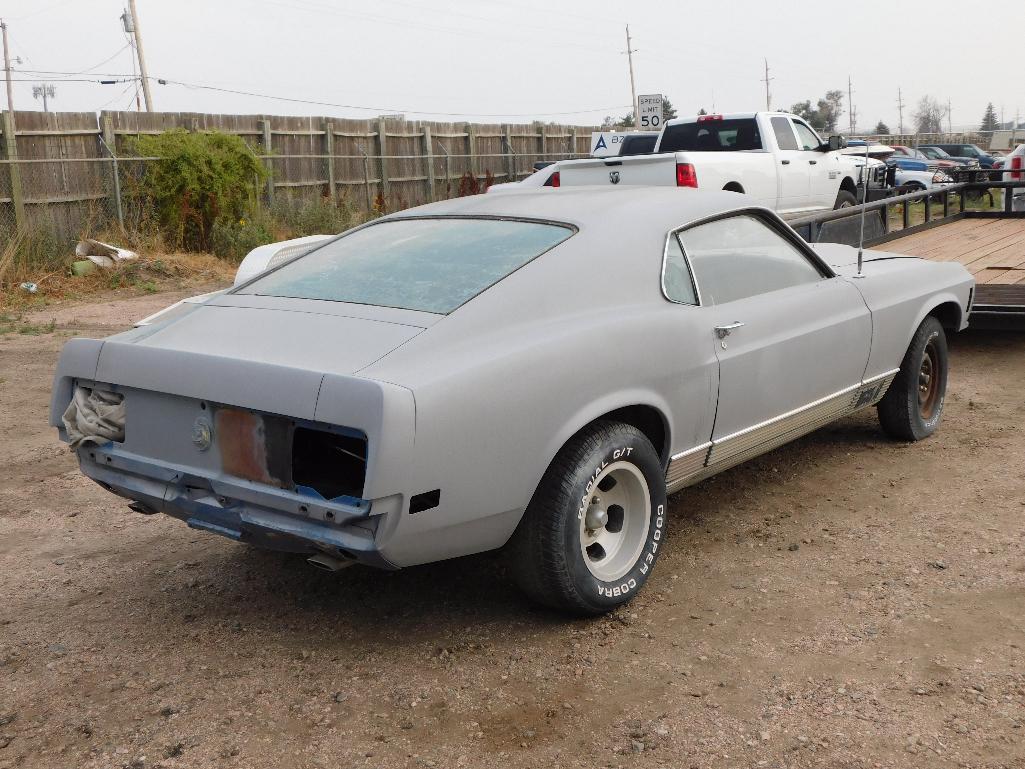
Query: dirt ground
point(844, 601)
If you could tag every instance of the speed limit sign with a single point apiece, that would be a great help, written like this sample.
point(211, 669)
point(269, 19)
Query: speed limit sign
point(649, 111)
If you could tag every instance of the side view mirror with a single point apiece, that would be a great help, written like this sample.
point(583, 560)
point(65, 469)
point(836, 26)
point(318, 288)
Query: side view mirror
point(837, 143)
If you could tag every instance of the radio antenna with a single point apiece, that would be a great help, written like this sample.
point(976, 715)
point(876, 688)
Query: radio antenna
point(864, 200)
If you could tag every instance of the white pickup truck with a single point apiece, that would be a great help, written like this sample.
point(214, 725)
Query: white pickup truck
point(774, 157)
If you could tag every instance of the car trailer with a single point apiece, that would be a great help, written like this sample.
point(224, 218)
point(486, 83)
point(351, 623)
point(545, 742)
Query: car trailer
point(989, 243)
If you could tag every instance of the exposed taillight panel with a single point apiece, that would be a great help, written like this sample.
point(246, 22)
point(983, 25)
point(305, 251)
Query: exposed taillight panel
point(1016, 166)
point(553, 180)
point(686, 176)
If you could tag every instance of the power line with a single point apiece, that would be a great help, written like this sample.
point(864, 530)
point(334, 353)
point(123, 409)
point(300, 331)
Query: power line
point(316, 103)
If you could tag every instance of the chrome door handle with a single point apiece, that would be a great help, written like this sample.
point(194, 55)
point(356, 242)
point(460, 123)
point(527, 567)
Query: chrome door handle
point(724, 331)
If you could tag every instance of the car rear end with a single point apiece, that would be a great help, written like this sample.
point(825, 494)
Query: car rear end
point(279, 456)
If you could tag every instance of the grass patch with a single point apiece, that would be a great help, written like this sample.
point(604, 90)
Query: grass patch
point(13, 324)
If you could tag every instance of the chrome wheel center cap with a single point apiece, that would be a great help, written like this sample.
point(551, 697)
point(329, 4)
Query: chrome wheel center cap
point(596, 516)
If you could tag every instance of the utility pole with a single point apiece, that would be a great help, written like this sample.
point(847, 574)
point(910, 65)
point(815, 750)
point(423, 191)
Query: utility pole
point(130, 18)
point(852, 113)
point(950, 125)
point(47, 91)
point(633, 89)
point(7, 70)
point(766, 79)
point(900, 112)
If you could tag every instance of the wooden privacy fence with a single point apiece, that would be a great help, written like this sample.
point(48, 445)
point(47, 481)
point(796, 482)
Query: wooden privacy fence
point(62, 169)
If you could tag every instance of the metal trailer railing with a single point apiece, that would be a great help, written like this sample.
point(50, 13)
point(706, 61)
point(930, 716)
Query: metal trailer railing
point(843, 225)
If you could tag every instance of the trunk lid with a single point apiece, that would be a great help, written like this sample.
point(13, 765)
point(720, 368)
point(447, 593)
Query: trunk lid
point(271, 358)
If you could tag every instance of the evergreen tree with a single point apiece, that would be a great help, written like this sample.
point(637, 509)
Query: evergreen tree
point(989, 120)
point(882, 129)
point(668, 110)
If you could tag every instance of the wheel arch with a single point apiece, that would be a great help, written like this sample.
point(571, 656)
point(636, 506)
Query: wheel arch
point(949, 314)
point(849, 185)
point(733, 187)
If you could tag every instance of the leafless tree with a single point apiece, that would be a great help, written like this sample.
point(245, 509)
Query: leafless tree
point(929, 115)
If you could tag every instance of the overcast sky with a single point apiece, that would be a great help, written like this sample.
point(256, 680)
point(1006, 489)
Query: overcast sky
point(518, 60)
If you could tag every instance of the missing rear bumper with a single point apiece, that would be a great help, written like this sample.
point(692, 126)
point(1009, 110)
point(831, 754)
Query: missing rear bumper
point(240, 510)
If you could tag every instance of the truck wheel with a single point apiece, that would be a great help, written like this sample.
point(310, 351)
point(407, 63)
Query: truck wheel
point(912, 407)
point(593, 529)
point(845, 199)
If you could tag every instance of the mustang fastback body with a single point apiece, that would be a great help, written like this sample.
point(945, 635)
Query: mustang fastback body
point(404, 392)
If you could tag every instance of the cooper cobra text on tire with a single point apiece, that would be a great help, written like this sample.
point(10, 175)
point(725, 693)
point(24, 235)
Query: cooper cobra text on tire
point(912, 407)
point(594, 528)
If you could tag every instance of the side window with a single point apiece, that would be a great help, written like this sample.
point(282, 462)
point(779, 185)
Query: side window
point(741, 256)
point(677, 283)
point(784, 133)
point(807, 137)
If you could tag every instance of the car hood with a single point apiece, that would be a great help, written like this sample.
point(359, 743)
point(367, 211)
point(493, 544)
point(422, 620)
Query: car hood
point(844, 259)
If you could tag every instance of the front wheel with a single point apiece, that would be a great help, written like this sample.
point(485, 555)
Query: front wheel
point(845, 199)
point(912, 407)
point(593, 530)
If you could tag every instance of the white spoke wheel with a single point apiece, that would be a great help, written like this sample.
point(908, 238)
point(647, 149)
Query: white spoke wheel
point(592, 532)
point(614, 527)
point(912, 407)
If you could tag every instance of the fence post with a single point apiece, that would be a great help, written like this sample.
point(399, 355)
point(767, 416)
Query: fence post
point(510, 158)
point(267, 162)
point(429, 160)
point(471, 148)
point(576, 143)
point(109, 140)
point(17, 196)
point(544, 143)
point(329, 150)
point(382, 145)
point(366, 178)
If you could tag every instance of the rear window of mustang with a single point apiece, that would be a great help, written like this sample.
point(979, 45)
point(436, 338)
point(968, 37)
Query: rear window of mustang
point(432, 265)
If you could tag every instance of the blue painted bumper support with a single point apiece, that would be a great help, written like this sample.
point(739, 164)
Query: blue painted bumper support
point(235, 508)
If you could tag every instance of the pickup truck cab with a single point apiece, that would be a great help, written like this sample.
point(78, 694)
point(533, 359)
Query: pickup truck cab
point(774, 157)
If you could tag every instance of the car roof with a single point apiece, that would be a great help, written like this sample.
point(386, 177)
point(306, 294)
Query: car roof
point(594, 207)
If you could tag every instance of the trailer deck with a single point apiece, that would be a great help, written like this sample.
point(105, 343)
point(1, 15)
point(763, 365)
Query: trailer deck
point(992, 250)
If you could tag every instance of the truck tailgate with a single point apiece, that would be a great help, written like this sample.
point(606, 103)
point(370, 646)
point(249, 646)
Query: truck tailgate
point(655, 170)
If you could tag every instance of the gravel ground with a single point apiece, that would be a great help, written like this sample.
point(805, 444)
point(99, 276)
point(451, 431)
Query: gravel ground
point(844, 601)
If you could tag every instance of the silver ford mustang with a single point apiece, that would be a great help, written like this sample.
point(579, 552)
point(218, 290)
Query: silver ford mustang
point(534, 371)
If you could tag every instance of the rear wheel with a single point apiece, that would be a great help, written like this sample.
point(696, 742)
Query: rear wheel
point(912, 407)
point(592, 532)
point(845, 199)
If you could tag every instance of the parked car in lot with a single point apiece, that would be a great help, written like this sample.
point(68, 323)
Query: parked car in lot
point(775, 157)
point(1014, 162)
point(935, 164)
point(493, 371)
point(619, 143)
point(936, 153)
point(910, 180)
point(969, 151)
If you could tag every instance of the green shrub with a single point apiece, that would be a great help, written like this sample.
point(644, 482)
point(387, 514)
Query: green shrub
point(233, 239)
point(296, 217)
point(200, 181)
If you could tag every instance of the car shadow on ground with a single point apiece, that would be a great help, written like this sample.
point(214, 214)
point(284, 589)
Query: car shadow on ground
point(281, 594)
point(240, 585)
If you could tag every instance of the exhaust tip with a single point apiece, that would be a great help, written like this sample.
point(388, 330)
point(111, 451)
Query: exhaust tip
point(326, 562)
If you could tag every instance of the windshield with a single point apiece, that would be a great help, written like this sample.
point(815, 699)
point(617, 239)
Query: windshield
point(431, 265)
